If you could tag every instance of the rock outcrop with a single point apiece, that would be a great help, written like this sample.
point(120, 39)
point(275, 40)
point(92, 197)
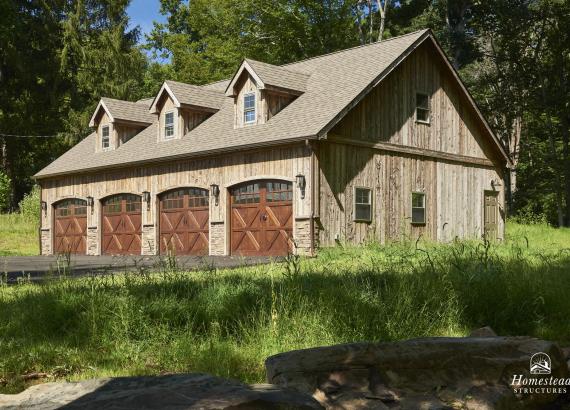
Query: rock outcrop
point(183, 391)
point(431, 373)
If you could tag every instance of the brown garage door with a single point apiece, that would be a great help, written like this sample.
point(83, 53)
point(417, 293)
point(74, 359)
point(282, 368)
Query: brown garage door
point(262, 218)
point(184, 221)
point(70, 226)
point(121, 221)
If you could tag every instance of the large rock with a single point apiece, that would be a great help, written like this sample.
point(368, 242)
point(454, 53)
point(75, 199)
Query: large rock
point(431, 373)
point(184, 391)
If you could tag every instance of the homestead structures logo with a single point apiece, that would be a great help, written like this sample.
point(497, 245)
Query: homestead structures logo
point(540, 364)
point(540, 382)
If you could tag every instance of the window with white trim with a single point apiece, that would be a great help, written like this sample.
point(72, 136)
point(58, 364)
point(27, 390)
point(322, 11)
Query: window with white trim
point(169, 125)
point(418, 208)
point(422, 108)
point(249, 108)
point(105, 140)
point(362, 204)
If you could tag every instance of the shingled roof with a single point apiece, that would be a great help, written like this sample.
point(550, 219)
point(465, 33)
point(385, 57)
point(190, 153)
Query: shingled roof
point(119, 110)
point(270, 76)
point(189, 95)
point(335, 83)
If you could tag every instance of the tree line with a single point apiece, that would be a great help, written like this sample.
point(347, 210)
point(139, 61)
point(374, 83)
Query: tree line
point(58, 57)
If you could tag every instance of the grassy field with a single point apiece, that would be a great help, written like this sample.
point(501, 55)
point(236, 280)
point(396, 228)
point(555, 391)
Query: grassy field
point(227, 322)
point(17, 236)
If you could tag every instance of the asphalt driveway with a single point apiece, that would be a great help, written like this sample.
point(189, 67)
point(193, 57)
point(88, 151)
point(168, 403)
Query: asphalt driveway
point(37, 267)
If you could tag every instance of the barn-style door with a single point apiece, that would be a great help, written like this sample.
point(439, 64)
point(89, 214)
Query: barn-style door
point(70, 226)
point(184, 222)
point(121, 221)
point(262, 218)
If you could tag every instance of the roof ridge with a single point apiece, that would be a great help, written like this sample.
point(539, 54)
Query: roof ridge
point(276, 66)
point(355, 47)
point(322, 55)
point(118, 100)
point(200, 87)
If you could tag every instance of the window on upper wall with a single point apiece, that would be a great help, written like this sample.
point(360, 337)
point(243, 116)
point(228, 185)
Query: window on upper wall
point(249, 108)
point(422, 108)
point(418, 208)
point(169, 125)
point(362, 204)
point(105, 141)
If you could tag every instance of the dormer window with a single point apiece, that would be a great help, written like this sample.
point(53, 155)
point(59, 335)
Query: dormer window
point(249, 108)
point(105, 141)
point(169, 125)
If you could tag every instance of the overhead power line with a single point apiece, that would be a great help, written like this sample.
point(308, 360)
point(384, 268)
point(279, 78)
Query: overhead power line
point(28, 136)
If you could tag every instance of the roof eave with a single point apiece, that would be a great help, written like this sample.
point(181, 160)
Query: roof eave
point(205, 153)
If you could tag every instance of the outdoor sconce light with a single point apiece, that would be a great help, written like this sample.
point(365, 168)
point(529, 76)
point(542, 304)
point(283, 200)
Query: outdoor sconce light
point(90, 202)
point(495, 183)
point(301, 183)
point(44, 206)
point(215, 190)
point(146, 198)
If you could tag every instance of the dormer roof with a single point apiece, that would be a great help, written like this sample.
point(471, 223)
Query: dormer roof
point(337, 82)
point(269, 76)
point(190, 96)
point(123, 111)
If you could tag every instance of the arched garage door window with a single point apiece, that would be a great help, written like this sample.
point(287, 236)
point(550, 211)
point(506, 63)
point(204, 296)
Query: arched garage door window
point(70, 226)
point(262, 218)
point(121, 220)
point(184, 221)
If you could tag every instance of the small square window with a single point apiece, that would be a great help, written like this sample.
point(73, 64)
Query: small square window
point(105, 141)
point(249, 108)
point(422, 108)
point(362, 204)
point(418, 208)
point(169, 125)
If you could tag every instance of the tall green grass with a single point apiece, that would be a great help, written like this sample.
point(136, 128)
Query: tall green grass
point(18, 235)
point(226, 322)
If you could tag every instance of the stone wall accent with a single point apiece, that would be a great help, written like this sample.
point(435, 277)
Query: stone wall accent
point(302, 236)
point(92, 240)
point(192, 391)
point(148, 239)
point(45, 242)
point(436, 372)
point(217, 238)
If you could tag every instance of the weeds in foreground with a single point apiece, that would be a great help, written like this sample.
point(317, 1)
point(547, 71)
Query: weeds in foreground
point(226, 322)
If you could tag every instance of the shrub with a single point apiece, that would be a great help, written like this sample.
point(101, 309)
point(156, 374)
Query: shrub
point(4, 191)
point(30, 206)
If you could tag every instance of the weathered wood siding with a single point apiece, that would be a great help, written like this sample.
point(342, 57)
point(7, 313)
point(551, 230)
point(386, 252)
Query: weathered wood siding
point(191, 119)
point(227, 170)
point(387, 114)
point(450, 160)
point(454, 195)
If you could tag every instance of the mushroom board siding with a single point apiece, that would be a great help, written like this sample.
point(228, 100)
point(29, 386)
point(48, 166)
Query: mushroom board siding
point(121, 220)
point(70, 226)
point(262, 218)
point(184, 222)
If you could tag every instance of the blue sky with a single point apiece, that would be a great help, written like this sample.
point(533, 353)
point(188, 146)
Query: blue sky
point(143, 12)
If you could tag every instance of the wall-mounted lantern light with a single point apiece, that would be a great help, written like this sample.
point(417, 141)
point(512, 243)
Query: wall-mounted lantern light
point(90, 202)
point(146, 198)
point(495, 183)
point(215, 191)
point(301, 183)
point(44, 206)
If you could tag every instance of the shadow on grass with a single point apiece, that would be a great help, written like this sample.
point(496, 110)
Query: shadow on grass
point(227, 323)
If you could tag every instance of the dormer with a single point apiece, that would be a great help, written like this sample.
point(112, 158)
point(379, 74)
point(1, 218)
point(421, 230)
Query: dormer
point(117, 121)
point(261, 90)
point(182, 107)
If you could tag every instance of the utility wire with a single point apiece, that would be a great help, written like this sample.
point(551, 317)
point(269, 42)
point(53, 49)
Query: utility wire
point(28, 136)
